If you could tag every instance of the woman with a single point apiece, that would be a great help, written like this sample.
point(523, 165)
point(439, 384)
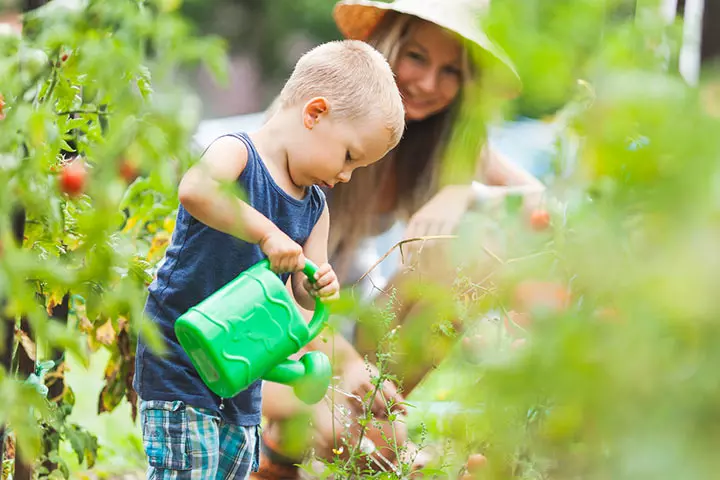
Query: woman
point(429, 44)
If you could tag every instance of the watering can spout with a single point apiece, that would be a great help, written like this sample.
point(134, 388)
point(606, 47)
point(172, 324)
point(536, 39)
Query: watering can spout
point(286, 372)
point(309, 376)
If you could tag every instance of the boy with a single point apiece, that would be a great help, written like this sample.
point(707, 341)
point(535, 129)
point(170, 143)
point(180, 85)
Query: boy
point(340, 110)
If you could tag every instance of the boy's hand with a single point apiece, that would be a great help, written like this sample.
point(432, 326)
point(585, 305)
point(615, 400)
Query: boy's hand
point(284, 254)
point(326, 284)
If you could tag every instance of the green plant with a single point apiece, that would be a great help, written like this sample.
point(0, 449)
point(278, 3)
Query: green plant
point(87, 92)
point(616, 382)
point(356, 455)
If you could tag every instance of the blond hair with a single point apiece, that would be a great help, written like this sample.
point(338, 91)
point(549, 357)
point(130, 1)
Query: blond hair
point(413, 166)
point(356, 80)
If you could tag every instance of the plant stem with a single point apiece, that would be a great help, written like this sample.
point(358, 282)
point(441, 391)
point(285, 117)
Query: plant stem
point(368, 415)
point(83, 112)
point(399, 245)
point(53, 82)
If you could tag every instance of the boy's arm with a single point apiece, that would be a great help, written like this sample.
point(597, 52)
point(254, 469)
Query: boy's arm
point(315, 249)
point(201, 193)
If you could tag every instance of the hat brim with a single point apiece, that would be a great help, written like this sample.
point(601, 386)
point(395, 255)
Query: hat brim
point(356, 20)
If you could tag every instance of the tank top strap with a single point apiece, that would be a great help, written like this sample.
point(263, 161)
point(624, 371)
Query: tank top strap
point(251, 169)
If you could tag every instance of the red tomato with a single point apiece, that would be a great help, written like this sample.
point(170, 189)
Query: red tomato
point(128, 171)
point(532, 294)
point(476, 462)
point(539, 220)
point(73, 178)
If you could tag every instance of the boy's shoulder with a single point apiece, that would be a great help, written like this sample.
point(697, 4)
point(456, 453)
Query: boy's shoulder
point(319, 202)
point(234, 142)
point(320, 191)
point(317, 192)
point(238, 139)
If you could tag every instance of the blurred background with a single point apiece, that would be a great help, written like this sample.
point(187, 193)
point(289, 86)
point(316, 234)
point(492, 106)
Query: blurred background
point(266, 37)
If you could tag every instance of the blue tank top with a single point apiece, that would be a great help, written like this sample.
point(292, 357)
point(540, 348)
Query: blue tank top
point(200, 260)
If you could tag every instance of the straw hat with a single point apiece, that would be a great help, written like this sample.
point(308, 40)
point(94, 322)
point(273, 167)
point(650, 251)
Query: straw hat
point(356, 20)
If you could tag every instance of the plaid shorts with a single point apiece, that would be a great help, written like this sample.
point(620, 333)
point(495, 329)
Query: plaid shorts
point(182, 442)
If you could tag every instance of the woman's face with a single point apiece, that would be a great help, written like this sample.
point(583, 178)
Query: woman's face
point(428, 71)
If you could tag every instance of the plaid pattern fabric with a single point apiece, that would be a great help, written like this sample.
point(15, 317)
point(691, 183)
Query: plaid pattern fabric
point(186, 443)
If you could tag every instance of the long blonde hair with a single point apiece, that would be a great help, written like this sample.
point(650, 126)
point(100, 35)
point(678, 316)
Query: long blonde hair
point(413, 166)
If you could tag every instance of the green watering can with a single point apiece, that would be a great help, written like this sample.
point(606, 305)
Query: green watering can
point(246, 330)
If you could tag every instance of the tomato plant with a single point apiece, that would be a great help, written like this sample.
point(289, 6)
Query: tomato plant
point(91, 237)
point(609, 373)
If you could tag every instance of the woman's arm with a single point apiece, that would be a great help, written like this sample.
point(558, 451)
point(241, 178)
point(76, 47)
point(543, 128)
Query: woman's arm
point(496, 177)
point(496, 170)
point(345, 358)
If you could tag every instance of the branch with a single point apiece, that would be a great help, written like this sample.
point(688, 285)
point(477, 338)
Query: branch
point(53, 82)
point(493, 255)
point(82, 112)
point(530, 257)
point(399, 245)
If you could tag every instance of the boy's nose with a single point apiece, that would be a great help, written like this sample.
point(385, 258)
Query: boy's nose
point(344, 177)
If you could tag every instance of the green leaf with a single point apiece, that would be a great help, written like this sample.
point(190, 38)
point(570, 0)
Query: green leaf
point(216, 61)
point(152, 337)
point(83, 443)
point(144, 82)
point(433, 473)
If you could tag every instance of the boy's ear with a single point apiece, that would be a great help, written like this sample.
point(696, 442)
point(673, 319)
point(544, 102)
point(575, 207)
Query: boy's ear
point(313, 110)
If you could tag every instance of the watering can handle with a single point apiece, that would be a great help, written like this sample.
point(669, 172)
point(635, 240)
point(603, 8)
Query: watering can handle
point(321, 310)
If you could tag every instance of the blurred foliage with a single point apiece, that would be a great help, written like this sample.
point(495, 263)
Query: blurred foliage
point(608, 370)
point(266, 30)
point(94, 133)
point(554, 43)
point(580, 335)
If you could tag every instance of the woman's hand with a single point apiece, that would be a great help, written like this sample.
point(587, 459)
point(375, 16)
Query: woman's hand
point(442, 213)
point(357, 378)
